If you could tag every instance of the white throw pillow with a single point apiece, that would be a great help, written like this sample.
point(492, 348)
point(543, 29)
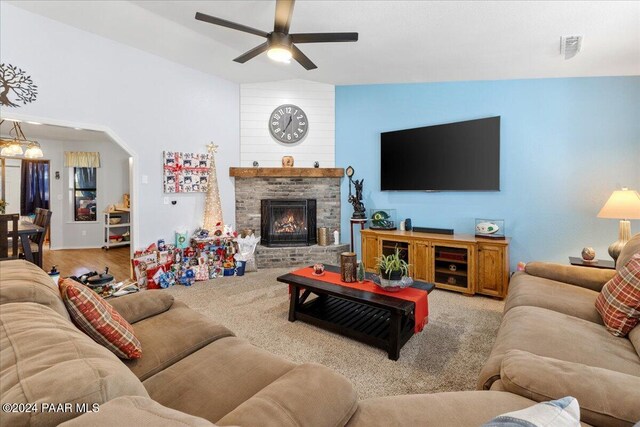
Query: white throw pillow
point(557, 413)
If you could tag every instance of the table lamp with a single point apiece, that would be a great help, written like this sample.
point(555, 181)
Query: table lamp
point(623, 205)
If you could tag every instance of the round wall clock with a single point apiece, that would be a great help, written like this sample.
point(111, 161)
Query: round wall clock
point(288, 124)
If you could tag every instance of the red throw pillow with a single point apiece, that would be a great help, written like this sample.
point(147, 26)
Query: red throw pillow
point(619, 300)
point(98, 319)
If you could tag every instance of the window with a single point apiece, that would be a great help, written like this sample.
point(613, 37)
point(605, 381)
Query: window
point(84, 194)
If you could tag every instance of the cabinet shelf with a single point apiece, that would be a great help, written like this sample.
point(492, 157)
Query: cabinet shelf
point(457, 261)
point(455, 273)
point(111, 230)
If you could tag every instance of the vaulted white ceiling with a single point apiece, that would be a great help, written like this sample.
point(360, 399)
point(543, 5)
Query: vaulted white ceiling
point(400, 41)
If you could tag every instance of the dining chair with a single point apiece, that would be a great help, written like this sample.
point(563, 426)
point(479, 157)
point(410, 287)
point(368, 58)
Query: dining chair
point(9, 239)
point(42, 219)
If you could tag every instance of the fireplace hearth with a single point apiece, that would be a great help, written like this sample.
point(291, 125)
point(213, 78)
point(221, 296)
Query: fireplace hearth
point(288, 222)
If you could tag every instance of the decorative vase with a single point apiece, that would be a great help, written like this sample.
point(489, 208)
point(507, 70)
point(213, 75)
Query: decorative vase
point(348, 267)
point(287, 161)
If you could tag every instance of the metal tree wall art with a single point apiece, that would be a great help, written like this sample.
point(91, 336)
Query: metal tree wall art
point(16, 85)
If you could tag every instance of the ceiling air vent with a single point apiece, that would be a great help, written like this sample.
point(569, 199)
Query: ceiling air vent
point(570, 46)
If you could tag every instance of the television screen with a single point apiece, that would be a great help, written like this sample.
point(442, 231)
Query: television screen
point(462, 156)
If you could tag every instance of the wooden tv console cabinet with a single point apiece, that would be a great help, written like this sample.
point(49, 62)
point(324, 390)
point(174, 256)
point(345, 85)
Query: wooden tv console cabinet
point(457, 262)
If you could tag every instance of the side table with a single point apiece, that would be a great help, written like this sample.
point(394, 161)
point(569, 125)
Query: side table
point(598, 263)
point(362, 222)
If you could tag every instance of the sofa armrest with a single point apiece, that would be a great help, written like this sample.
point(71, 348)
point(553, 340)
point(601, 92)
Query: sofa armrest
point(606, 397)
point(590, 278)
point(136, 411)
point(139, 306)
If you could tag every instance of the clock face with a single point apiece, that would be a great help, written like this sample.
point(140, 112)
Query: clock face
point(288, 124)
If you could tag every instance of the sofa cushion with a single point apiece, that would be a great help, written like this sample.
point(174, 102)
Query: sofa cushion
point(619, 300)
point(22, 281)
point(98, 319)
point(136, 307)
point(171, 336)
point(552, 334)
point(216, 379)
point(460, 409)
point(606, 397)
point(563, 412)
point(525, 289)
point(137, 411)
point(631, 248)
point(308, 395)
point(45, 358)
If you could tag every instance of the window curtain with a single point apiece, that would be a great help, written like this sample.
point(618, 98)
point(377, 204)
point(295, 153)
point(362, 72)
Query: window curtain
point(81, 159)
point(34, 191)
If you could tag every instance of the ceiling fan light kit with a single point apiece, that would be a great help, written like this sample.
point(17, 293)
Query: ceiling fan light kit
point(280, 45)
point(279, 54)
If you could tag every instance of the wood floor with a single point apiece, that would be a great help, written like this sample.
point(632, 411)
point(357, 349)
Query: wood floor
point(75, 262)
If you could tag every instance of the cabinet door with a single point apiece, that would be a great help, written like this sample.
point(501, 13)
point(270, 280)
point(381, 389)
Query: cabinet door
point(388, 246)
point(420, 261)
point(491, 270)
point(369, 252)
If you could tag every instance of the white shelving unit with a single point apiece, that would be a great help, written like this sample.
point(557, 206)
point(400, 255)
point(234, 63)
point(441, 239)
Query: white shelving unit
point(118, 229)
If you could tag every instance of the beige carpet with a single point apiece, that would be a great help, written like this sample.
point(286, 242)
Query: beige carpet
point(446, 356)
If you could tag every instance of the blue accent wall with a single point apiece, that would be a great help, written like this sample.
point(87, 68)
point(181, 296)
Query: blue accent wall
point(566, 145)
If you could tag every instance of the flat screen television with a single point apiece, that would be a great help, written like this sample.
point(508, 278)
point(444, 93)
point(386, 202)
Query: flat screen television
point(461, 156)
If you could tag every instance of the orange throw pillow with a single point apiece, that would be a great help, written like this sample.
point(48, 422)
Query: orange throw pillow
point(98, 319)
point(619, 300)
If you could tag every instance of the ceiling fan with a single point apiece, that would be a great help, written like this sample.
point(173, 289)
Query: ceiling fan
point(280, 45)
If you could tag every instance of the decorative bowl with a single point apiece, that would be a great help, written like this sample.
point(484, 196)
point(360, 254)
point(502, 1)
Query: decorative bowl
point(115, 220)
point(392, 285)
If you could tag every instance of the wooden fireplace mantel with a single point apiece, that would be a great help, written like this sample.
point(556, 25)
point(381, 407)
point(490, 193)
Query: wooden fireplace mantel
point(286, 172)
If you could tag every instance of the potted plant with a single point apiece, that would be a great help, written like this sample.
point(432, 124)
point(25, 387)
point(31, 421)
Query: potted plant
point(392, 266)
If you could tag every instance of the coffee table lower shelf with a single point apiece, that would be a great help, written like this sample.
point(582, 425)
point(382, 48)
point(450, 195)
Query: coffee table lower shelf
point(370, 325)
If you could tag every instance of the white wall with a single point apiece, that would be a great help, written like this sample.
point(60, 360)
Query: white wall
point(12, 182)
point(148, 103)
point(112, 181)
point(257, 102)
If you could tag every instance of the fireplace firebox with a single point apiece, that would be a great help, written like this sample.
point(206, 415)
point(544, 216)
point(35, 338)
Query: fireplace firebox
point(288, 222)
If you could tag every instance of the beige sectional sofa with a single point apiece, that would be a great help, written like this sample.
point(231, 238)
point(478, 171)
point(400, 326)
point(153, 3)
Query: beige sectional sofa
point(552, 343)
point(193, 372)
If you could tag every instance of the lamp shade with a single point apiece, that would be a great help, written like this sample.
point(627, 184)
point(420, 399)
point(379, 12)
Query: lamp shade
point(33, 152)
point(623, 204)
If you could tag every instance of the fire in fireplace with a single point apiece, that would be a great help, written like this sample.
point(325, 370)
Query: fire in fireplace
point(288, 222)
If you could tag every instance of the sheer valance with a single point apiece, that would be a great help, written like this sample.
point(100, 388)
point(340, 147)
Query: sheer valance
point(81, 159)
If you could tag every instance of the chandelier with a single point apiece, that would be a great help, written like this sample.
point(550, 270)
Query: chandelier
point(13, 146)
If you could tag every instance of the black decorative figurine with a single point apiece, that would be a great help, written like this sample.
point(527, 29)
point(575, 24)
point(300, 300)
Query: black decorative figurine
point(356, 200)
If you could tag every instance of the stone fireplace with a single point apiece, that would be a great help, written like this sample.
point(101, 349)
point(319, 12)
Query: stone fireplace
point(292, 185)
point(290, 222)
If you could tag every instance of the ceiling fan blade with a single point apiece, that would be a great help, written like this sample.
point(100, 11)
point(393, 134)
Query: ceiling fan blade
point(224, 23)
point(284, 10)
point(302, 58)
point(324, 37)
point(252, 53)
